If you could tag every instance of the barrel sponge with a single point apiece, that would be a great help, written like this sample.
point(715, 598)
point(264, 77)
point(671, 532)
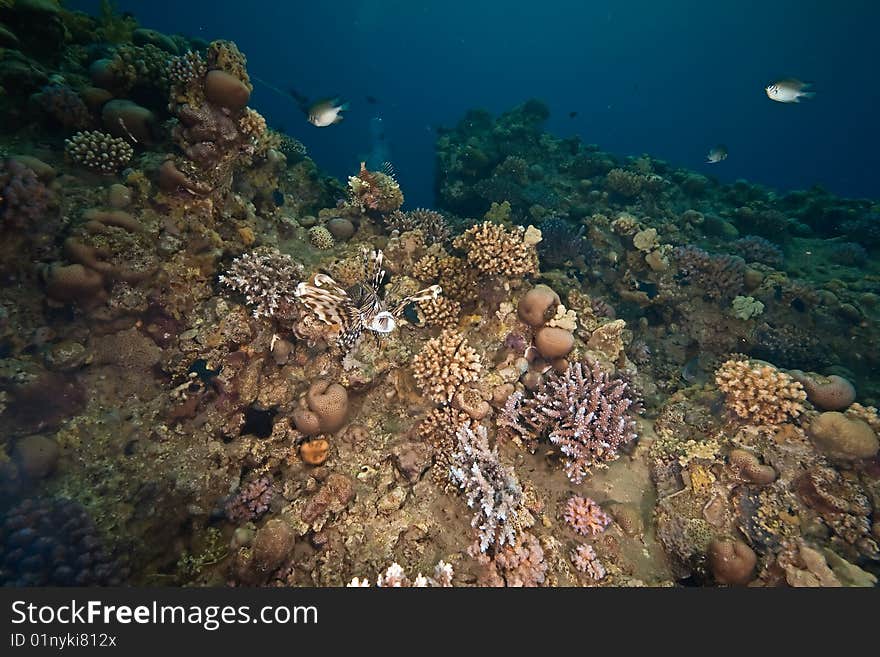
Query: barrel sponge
point(552, 342)
point(226, 90)
point(843, 438)
point(827, 393)
point(329, 401)
point(731, 562)
point(538, 305)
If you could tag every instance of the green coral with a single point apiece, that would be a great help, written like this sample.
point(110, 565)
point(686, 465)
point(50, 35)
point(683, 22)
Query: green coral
point(499, 213)
point(113, 27)
point(746, 307)
point(214, 551)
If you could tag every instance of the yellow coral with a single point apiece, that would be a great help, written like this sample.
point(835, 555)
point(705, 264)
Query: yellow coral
point(493, 249)
point(759, 393)
point(444, 364)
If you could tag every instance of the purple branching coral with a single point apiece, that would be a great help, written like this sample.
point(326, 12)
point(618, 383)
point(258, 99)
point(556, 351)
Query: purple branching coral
point(584, 559)
point(489, 487)
point(720, 277)
point(63, 105)
point(433, 225)
point(251, 501)
point(266, 277)
point(757, 249)
point(587, 413)
point(561, 243)
point(585, 516)
point(23, 198)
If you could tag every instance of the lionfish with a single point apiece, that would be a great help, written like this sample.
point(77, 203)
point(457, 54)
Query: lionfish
point(364, 309)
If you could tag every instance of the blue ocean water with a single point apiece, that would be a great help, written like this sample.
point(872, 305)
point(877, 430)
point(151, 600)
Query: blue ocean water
point(670, 79)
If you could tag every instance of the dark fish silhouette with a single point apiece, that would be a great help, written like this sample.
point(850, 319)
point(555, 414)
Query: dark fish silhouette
point(372, 100)
point(571, 115)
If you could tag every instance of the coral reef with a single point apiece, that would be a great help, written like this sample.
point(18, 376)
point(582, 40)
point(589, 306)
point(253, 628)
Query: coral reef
point(266, 277)
point(759, 393)
point(444, 364)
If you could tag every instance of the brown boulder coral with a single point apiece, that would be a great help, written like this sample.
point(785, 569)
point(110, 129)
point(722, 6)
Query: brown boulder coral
point(732, 562)
point(759, 393)
point(843, 438)
point(444, 364)
point(827, 393)
point(538, 305)
point(324, 408)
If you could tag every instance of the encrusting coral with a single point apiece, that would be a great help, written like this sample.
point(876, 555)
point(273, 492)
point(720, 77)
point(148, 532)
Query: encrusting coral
point(759, 393)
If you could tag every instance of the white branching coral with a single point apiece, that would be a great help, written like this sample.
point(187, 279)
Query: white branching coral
point(395, 577)
point(265, 277)
point(489, 487)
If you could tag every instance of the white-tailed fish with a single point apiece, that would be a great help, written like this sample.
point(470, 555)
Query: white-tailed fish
point(326, 112)
point(717, 154)
point(789, 90)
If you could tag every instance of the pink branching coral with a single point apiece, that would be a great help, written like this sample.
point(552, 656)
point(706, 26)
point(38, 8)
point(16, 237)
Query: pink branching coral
point(583, 410)
point(251, 501)
point(489, 487)
point(266, 277)
point(584, 559)
point(585, 516)
point(718, 276)
point(519, 565)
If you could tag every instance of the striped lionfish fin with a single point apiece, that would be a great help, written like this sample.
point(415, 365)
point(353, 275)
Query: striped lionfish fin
point(422, 295)
point(329, 302)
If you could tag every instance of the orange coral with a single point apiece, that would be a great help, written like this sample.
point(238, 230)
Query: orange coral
point(759, 393)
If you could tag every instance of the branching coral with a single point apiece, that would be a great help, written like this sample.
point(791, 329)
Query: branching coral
point(432, 224)
point(519, 565)
point(489, 487)
point(266, 277)
point(98, 151)
point(757, 249)
point(560, 243)
point(395, 577)
point(582, 410)
point(251, 501)
point(585, 516)
point(63, 105)
point(718, 276)
point(584, 559)
point(440, 312)
point(444, 364)
point(495, 250)
point(23, 198)
point(759, 393)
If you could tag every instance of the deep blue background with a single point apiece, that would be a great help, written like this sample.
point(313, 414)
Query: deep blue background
point(670, 78)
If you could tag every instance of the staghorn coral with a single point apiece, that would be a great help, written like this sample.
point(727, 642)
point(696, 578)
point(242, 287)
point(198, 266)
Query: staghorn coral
point(584, 559)
point(266, 277)
point(374, 191)
point(250, 502)
point(444, 364)
point(433, 225)
point(98, 151)
point(493, 249)
point(720, 277)
point(759, 393)
point(582, 410)
point(489, 487)
point(585, 516)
